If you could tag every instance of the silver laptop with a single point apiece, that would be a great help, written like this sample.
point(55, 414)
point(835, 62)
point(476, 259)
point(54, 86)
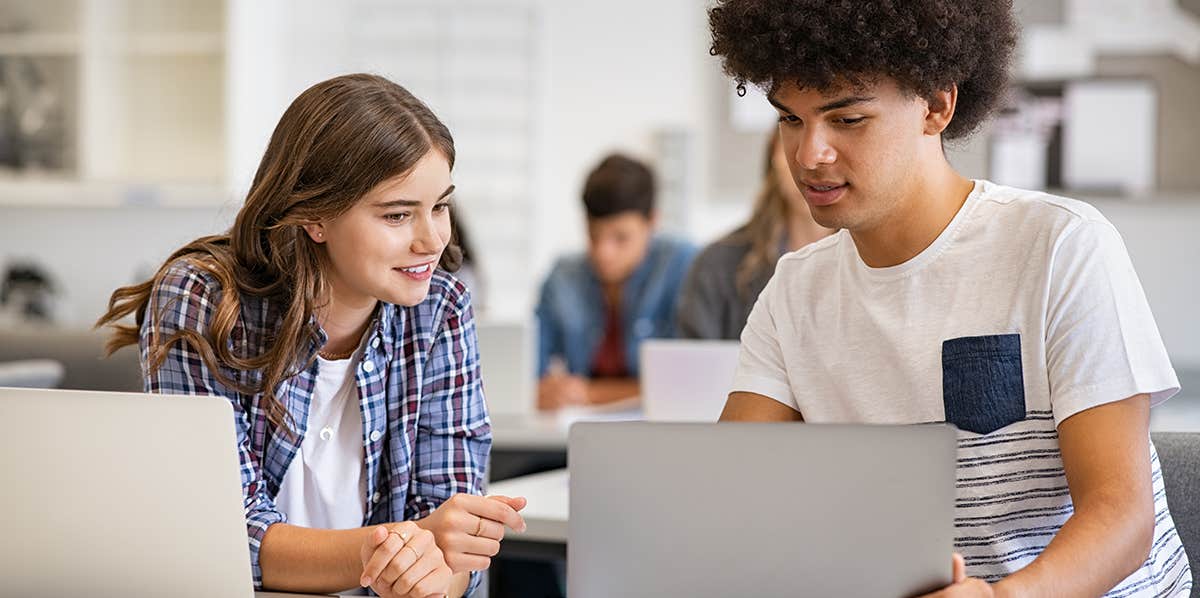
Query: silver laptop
point(733, 509)
point(686, 380)
point(120, 494)
point(506, 363)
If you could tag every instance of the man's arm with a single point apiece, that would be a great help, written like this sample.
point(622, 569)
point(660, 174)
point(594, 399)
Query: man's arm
point(753, 407)
point(1106, 456)
point(608, 390)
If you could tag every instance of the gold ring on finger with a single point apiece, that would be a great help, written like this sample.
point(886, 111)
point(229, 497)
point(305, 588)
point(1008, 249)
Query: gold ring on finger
point(479, 527)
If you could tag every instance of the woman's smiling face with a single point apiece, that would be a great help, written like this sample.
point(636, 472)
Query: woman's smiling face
point(387, 245)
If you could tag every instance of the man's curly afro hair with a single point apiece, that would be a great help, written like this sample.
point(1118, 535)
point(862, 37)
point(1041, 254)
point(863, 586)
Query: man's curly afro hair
point(924, 45)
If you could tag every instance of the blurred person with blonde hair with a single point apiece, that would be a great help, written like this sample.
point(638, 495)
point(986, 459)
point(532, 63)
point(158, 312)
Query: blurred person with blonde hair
point(727, 276)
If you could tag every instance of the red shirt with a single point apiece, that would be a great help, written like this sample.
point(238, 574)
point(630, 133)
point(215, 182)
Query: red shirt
point(609, 361)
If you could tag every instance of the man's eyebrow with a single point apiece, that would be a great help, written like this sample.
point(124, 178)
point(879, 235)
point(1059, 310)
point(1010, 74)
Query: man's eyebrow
point(845, 102)
point(778, 105)
point(408, 203)
point(834, 105)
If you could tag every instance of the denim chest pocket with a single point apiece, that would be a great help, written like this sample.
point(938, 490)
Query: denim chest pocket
point(983, 387)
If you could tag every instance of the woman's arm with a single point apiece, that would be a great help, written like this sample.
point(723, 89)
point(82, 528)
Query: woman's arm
point(186, 299)
point(301, 559)
point(453, 441)
point(327, 561)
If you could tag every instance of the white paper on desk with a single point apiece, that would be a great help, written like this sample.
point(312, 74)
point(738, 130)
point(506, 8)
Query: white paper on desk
point(627, 409)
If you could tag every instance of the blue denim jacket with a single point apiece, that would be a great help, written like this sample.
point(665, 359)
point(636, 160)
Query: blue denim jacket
point(571, 315)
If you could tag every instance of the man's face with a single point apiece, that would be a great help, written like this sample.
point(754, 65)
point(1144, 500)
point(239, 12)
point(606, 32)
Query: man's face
point(617, 244)
point(855, 153)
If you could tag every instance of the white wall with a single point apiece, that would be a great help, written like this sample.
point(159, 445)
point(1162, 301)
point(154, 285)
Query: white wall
point(616, 72)
point(89, 252)
point(1163, 241)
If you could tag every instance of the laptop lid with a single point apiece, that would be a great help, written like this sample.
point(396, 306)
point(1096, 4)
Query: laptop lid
point(506, 364)
point(716, 510)
point(686, 380)
point(113, 493)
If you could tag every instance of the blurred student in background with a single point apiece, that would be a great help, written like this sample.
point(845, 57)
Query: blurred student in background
point(596, 308)
point(728, 275)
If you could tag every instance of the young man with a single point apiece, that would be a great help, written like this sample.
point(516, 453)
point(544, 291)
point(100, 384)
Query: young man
point(596, 309)
point(1012, 314)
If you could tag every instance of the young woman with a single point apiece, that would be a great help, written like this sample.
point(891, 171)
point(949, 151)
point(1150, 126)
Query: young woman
point(328, 318)
point(728, 275)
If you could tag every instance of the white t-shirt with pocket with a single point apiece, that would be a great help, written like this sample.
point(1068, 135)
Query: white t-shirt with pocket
point(1025, 311)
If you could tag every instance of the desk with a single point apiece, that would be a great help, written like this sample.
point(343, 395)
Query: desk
point(549, 501)
point(533, 562)
point(291, 595)
point(548, 431)
point(528, 443)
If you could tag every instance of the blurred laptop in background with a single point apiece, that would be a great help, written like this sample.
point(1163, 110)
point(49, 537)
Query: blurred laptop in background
point(686, 380)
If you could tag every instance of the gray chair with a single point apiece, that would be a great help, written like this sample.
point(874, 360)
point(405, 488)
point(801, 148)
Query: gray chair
point(1179, 455)
point(80, 351)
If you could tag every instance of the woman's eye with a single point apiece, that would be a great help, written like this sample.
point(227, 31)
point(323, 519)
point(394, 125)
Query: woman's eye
point(442, 207)
point(396, 218)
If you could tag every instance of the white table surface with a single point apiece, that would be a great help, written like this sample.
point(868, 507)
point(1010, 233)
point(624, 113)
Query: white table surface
point(548, 431)
point(549, 501)
point(291, 595)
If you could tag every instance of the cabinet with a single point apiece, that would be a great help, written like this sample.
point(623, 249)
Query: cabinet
point(113, 102)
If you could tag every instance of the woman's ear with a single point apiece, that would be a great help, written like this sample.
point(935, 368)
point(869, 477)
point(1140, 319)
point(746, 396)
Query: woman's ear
point(941, 110)
point(316, 232)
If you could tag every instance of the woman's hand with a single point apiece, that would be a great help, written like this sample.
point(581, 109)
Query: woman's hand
point(469, 528)
point(401, 560)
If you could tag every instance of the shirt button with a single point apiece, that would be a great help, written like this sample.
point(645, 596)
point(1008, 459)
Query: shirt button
point(375, 497)
point(376, 435)
point(368, 366)
point(375, 342)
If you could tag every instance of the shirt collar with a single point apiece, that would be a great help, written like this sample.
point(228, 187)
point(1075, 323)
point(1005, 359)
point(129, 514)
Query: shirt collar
point(384, 327)
point(381, 328)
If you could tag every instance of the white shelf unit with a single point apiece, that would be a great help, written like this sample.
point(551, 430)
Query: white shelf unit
point(138, 88)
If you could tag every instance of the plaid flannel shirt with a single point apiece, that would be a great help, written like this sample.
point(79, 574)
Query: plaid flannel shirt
point(426, 432)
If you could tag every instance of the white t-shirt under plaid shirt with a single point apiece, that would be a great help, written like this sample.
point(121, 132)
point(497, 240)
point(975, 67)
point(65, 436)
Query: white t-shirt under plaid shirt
point(1023, 312)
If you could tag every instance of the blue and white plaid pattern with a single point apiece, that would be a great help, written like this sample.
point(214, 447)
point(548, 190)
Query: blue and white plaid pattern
point(426, 432)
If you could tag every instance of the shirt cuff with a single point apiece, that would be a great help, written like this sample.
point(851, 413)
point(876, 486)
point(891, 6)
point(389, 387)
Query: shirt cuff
point(767, 387)
point(256, 528)
point(473, 585)
point(1081, 398)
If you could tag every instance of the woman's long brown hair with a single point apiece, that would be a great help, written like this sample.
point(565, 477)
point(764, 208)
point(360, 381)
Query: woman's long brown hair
point(334, 143)
point(766, 228)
